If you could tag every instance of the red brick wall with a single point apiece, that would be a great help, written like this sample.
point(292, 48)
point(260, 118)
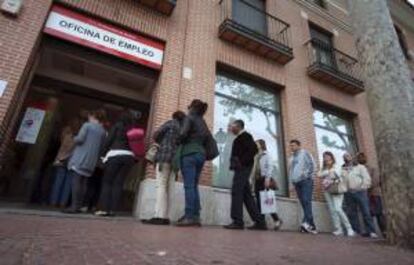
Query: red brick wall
point(18, 39)
point(191, 35)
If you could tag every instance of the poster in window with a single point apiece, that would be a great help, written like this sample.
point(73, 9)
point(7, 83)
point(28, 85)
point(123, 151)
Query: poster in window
point(30, 126)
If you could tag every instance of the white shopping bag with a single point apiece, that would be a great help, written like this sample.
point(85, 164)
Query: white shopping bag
point(268, 201)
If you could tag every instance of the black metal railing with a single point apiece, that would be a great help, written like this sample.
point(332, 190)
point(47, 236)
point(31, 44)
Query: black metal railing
point(320, 3)
point(256, 22)
point(325, 56)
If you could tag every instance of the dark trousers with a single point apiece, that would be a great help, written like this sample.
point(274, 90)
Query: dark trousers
point(259, 186)
point(377, 212)
point(359, 201)
point(241, 193)
point(79, 185)
point(116, 170)
point(304, 189)
point(94, 190)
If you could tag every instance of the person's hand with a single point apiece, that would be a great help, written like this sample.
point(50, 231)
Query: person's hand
point(267, 183)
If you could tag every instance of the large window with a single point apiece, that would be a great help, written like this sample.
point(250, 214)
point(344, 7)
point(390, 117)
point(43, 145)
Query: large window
point(237, 99)
point(334, 133)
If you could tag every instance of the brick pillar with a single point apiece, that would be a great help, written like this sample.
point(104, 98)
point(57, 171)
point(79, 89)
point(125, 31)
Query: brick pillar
point(18, 41)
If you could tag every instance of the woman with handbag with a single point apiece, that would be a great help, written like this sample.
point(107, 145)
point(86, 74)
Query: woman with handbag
point(334, 189)
point(263, 178)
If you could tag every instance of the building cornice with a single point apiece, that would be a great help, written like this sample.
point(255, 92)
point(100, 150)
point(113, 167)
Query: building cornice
point(325, 14)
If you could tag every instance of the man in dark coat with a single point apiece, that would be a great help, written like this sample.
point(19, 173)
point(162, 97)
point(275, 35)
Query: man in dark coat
point(241, 162)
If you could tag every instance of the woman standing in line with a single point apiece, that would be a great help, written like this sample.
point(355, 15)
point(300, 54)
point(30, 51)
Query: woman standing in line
point(119, 159)
point(263, 177)
point(81, 165)
point(190, 158)
point(334, 189)
point(60, 194)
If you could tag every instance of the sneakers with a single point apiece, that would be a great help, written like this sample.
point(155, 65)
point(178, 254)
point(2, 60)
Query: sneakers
point(306, 228)
point(373, 235)
point(351, 233)
point(278, 225)
point(234, 226)
point(338, 233)
point(101, 213)
point(258, 226)
point(156, 221)
point(187, 222)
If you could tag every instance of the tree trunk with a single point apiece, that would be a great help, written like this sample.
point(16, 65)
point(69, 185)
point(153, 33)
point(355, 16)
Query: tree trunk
point(390, 95)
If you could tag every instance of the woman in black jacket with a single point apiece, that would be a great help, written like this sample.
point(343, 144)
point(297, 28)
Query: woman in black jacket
point(118, 160)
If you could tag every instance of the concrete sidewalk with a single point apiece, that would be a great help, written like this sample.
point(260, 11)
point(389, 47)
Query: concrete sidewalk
point(36, 239)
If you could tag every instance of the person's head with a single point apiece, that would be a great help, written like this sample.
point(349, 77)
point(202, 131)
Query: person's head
point(75, 125)
point(178, 116)
point(348, 158)
point(294, 145)
point(328, 160)
point(361, 158)
point(198, 107)
point(127, 119)
point(98, 116)
point(261, 145)
point(237, 126)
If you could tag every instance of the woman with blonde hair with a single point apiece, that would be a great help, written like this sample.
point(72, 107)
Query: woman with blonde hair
point(334, 188)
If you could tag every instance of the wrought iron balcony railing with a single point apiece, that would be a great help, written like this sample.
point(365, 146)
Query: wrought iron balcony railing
point(163, 6)
point(330, 65)
point(251, 27)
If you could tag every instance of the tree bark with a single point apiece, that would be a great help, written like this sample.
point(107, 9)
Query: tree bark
point(390, 95)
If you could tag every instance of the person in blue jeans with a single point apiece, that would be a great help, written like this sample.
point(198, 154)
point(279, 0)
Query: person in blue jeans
point(302, 170)
point(61, 189)
point(359, 181)
point(190, 159)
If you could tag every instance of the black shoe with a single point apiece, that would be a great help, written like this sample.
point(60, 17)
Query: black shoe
point(234, 226)
point(258, 226)
point(188, 222)
point(156, 221)
point(71, 211)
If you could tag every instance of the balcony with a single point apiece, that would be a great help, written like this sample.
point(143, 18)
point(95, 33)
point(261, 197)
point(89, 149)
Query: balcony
point(163, 6)
point(248, 26)
point(334, 67)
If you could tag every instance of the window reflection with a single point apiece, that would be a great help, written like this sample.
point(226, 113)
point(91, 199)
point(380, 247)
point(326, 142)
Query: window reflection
point(259, 110)
point(334, 134)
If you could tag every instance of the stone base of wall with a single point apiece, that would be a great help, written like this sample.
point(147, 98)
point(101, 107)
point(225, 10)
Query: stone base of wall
point(215, 205)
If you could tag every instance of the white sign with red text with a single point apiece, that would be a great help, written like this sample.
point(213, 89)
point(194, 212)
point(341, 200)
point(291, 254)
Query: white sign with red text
point(75, 27)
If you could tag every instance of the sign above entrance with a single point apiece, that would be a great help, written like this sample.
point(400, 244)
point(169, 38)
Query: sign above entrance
point(78, 28)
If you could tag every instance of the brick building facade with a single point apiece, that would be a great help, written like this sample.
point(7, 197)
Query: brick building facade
point(300, 52)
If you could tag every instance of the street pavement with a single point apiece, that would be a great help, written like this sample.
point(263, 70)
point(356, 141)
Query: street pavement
point(61, 240)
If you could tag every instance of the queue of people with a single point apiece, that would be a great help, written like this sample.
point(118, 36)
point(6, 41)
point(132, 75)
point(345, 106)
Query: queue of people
point(183, 145)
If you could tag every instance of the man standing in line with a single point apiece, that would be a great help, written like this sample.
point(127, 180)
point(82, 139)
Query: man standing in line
point(242, 159)
point(167, 139)
point(302, 170)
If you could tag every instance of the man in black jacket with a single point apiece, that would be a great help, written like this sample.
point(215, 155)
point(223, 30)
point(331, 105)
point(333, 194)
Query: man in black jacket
point(241, 162)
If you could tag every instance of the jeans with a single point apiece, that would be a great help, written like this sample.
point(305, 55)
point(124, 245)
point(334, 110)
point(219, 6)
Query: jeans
point(338, 215)
point(79, 185)
point(61, 187)
point(116, 170)
point(304, 191)
point(191, 166)
point(359, 200)
point(164, 189)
